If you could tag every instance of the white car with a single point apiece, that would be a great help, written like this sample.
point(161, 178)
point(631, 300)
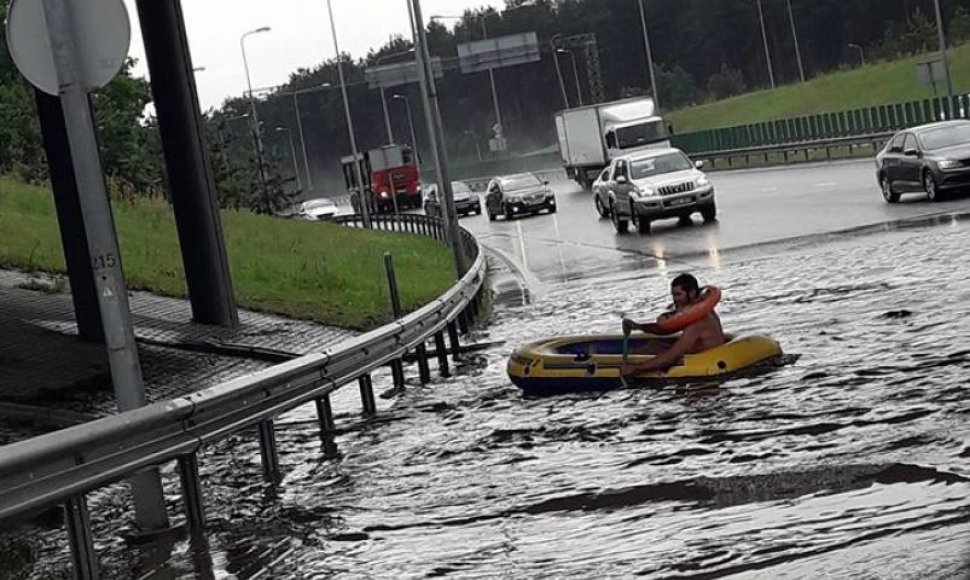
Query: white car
point(651, 185)
point(321, 208)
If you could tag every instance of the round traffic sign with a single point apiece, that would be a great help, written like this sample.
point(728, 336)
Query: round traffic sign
point(102, 33)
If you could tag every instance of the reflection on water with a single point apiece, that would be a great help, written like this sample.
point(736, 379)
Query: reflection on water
point(851, 463)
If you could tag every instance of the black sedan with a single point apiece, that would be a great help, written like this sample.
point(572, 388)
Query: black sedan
point(931, 159)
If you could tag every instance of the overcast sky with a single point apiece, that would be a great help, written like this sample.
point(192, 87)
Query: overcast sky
point(299, 36)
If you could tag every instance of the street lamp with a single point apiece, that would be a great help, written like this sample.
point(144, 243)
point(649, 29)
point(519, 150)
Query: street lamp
point(862, 53)
point(764, 38)
point(252, 106)
point(364, 203)
point(579, 94)
point(299, 128)
point(296, 170)
point(555, 59)
point(646, 46)
point(794, 34)
point(387, 116)
point(491, 73)
point(414, 143)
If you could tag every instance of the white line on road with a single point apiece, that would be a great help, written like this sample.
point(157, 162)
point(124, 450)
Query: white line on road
point(826, 184)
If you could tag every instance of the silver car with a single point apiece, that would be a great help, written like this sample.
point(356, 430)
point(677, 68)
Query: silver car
point(651, 185)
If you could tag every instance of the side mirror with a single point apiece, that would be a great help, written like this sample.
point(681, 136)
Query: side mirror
point(622, 179)
point(911, 152)
point(545, 182)
point(699, 164)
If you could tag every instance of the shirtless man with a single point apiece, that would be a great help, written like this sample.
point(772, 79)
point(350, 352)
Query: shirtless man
point(700, 336)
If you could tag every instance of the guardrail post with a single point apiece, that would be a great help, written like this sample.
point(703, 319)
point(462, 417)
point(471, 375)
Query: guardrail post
point(367, 395)
point(327, 425)
point(424, 372)
point(463, 322)
point(453, 340)
point(268, 452)
point(83, 555)
point(192, 496)
point(397, 367)
point(441, 351)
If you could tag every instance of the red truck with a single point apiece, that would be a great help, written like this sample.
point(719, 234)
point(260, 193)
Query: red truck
point(392, 181)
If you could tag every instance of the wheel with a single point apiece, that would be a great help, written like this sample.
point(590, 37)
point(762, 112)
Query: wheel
point(553, 209)
point(491, 217)
point(929, 185)
point(685, 221)
point(508, 214)
point(709, 212)
point(641, 223)
point(887, 190)
point(619, 223)
point(600, 208)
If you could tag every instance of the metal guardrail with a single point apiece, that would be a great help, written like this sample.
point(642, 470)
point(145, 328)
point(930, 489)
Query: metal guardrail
point(875, 141)
point(63, 465)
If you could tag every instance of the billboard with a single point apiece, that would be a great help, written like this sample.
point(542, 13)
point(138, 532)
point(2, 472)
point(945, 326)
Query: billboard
point(498, 52)
point(399, 73)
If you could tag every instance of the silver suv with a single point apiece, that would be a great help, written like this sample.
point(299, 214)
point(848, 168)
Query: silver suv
point(651, 185)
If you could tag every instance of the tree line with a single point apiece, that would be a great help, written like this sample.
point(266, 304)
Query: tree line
point(702, 49)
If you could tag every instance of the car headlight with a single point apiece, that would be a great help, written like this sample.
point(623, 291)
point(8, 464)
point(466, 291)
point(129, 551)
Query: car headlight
point(703, 181)
point(642, 191)
point(948, 164)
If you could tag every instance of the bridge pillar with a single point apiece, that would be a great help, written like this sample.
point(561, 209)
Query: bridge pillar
point(187, 165)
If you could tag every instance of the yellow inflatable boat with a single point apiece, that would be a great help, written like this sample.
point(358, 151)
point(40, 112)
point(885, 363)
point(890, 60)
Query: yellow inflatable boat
point(592, 363)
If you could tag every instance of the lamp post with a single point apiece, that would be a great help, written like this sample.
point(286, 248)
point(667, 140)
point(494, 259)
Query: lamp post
point(387, 115)
point(364, 203)
point(862, 53)
point(491, 75)
point(646, 46)
point(794, 34)
point(414, 142)
point(946, 64)
point(555, 60)
point(299, 128)
point(579, 94)
point(296, 170)
point(764, 38)
point(257, 130)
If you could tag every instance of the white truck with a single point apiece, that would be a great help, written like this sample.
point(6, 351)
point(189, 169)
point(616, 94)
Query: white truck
point(589, 137)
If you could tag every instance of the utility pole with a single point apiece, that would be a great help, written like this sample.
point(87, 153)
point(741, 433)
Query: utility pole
point(943, 56)
point(429, 98)
point(764, 37)
point(794, 34)
point(646, 45)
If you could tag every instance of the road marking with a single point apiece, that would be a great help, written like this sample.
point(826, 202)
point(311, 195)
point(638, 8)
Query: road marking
point(826, 184)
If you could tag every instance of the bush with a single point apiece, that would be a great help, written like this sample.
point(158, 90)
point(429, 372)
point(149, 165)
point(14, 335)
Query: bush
point(726, 83)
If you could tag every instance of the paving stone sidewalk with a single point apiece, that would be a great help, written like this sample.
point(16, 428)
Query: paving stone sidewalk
point(44, 363)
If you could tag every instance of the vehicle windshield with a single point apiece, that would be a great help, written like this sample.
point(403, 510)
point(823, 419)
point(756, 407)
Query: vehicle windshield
point(946, 137)
point(661, 164)
point(460, 187)
point(318, 203)
point(642, 134)
point(520, 182)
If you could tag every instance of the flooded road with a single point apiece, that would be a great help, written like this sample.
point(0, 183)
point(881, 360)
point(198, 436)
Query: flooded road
point(851, 462)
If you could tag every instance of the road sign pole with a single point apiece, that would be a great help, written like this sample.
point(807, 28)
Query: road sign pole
point(103, 246)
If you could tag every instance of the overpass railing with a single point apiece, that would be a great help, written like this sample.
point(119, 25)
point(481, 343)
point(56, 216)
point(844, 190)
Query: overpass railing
point(62, 466)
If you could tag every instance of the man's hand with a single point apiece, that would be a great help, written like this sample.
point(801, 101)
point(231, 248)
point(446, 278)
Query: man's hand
point(628, 326)
point(627, 369)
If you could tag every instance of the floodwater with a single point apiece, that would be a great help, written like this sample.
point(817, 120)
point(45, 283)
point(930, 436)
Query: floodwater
point(851, 462)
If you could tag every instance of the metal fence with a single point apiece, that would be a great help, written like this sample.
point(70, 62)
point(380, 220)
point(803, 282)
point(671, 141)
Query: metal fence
point(62, 466)
point(854, 124)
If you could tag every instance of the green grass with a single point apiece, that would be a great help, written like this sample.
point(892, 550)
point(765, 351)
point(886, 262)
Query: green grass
point(308, 270)
point(877, 84)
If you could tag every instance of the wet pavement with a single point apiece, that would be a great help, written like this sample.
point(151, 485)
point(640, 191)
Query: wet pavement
point(851, 462)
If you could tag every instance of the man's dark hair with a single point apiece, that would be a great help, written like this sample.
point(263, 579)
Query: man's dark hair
point(688, 282)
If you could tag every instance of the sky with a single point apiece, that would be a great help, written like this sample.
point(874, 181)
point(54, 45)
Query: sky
point(299, 37)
